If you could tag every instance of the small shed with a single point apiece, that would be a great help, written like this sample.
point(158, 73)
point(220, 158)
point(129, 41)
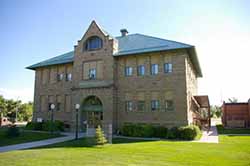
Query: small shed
point(236, 115)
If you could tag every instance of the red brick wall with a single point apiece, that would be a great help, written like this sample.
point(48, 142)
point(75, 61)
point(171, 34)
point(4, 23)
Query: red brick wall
point(236, 114)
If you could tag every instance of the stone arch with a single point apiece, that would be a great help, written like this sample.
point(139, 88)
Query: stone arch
point(91, 111)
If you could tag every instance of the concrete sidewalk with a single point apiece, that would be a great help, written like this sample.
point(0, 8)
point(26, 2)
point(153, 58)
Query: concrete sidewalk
point(210, 136)
point(67, 137)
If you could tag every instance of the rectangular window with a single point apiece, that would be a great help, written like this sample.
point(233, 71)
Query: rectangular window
point(58, 102)
point(43, 106)
point(58, 106)
point(92, 74)
point(169, 105)
point(128, 71)
point(155, 105)
point(168, 67)
point(67, 103)
point(45, 76)
point(129, 106)
point(141, 105)
point(154, 69)
point(68, 77)
point(141, 70)
point(60, 77)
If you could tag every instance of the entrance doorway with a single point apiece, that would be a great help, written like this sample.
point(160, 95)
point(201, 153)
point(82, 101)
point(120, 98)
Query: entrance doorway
point(92, 112)
point(94, 119)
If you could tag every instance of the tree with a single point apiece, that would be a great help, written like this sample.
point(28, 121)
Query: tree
point(9, 108)
point(99, 136)
point(215, 111)
point(25, 111)
point(2, 104)
point(232, 100)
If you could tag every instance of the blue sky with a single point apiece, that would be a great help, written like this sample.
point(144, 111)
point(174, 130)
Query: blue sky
point(32, 31)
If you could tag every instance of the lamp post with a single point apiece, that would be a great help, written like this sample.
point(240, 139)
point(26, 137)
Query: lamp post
point(77, 106)
point(52, 107)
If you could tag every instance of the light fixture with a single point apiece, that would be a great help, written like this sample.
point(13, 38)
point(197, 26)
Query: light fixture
point(77, 106)
point(52, 106)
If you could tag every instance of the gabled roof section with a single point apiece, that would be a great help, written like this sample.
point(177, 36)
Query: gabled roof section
point(133, 44)
point(138, 43)
point(61, 59)
point(105, 33)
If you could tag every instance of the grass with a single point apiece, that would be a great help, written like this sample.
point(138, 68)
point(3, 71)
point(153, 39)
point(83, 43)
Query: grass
point(222, 130)
point(25, 136)
point(232, 150)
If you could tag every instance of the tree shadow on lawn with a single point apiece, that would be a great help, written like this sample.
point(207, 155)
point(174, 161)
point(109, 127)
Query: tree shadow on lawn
point(89, 143)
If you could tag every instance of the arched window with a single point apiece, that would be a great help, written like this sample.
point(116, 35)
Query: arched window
point(93, 43)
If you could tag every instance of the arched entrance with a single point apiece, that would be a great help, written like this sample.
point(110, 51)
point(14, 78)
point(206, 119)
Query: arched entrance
point(92, 112)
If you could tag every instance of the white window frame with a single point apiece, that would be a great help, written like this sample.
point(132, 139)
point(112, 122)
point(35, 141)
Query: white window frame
point(154, 69)
point(129, 106)
point(128, 71)
point(92, 76)
point(139, 70)
point(168, 67)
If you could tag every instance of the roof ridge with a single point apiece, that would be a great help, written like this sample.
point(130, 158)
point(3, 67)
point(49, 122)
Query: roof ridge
point(127, 35)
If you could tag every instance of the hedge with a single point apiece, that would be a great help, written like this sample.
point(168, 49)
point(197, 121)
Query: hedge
point(137, 130)
point(146, 130)
point(45, 126)
point(12, 131)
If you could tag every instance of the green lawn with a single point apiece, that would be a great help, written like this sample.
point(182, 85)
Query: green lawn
point(232, 150)
point(25, 136)
point(222, 130)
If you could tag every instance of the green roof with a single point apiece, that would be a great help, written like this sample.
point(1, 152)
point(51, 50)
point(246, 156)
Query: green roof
point(61, 59)
point(132, 44)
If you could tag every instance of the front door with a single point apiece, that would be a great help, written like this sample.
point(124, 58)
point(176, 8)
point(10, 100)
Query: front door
point(94, 119)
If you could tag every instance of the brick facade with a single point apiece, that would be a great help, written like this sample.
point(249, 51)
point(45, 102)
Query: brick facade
point(113, 88)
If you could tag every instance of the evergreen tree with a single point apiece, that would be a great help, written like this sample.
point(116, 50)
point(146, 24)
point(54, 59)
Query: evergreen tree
point(99, 136)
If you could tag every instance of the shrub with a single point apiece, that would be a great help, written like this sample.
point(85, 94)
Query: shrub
point(45, 126)
point(127, 129)
point(137, 130)
point(34, 126)
point(99, 136)
point(189, 132)
point(160, 131)
point(29, 126)
point(173, 133)
point(148, 130)
point(57, 126)
point(13, 131)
